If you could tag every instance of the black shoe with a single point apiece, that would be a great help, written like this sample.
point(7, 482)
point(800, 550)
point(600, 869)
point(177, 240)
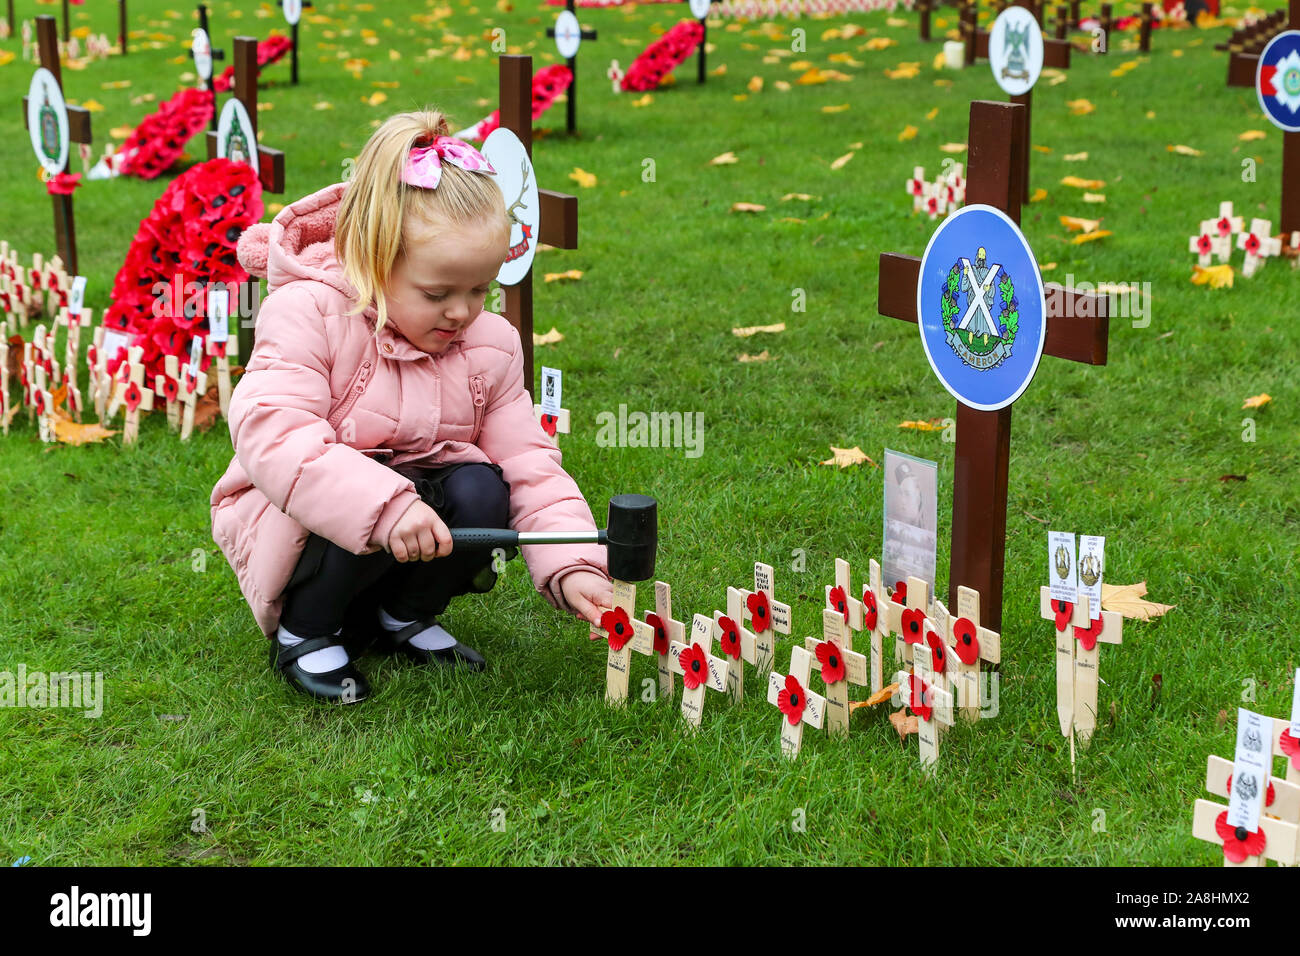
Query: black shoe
point(458, 655)
point(343, 685)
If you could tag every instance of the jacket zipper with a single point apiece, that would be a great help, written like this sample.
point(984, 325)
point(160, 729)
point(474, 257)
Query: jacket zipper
point(355, 389)
point(480, 401)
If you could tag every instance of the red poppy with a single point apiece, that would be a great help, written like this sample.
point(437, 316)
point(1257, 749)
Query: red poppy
point(1268, 797)
point(869, 613)
point(1203, 244)
point(132, 397)
point(1252, 243)
point(918, 702)
point(1225, 226)
point(1087, 636)
point(191, 382)
point(913, 625)
point(968, 645)
point(1238, 842)
point(219, 351)
point(170, 389)
point(61, 185)
point(548, 424)
point(616, 624)
point(792, 699)
point(695, 666)
point(839, 601)
point(40, 403)
point(661, 633)
point(760, 611)
point(831, 658)
point(1064, 612)
point(938, 651)
point(729, 638)
point(1291, 747)
point(900, 593)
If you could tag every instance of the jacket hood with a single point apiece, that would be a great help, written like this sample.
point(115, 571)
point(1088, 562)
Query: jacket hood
point(298, 243)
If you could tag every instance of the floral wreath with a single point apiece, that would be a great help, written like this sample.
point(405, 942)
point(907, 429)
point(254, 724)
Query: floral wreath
point(161, 136)
point(1010, 317)
point(663, 56)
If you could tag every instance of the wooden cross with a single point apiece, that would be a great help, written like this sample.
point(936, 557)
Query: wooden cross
point(1259, 244)
point(270, 162)
point(875, 618)
point(571, 103)
point(558, 222)
point(840, 598)
point(220, 344)
point(700, 670)
point(65, 230)
point(1209, 243)
point(13, 24)
point(1281, 800)
point(666, 630)
point(1144, 30)
point(73, 321)
point(908, 622)
point(1056, 54)
point(121, 25)
point(1077, 659)
point(1076, 330)
point(43, 402)
point(1242, 67)
point(840, 666)
point(293, 34)
point(216, 55)
point(134, 395)
point(167, 385)
point(1281, 838)
point(798, 704)
point(4, 384)
point(970, 644)
point(767, 616)
point(624, 634)
point(193, 383)
point(737, 643)
point(932, 705)
point(923, 8)
point(552, 425)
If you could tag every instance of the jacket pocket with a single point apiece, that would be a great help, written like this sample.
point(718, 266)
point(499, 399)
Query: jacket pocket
point(479, 392)
point(350, 395)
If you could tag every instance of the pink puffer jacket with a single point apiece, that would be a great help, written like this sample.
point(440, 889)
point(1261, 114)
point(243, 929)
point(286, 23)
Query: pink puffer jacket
point(322, 392)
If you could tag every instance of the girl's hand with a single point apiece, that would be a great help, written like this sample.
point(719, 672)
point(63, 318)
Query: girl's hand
point(419, 535)
point(587, 592)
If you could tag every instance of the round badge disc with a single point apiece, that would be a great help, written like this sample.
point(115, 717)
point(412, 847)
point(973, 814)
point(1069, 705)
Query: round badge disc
point(292, 11)
point(236, 140)
point(568, 34)
point(201, 49)
point(518, 186)
point(47, 122)
point(981, 308)
point(1016, 50)
point(1277, 80)
point(700, 8)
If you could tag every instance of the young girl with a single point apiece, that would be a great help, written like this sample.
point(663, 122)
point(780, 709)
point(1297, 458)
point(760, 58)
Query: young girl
point(380, 406)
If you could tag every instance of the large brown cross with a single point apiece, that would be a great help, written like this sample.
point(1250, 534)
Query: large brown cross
point(65, 229)
point(979, 502)
point(270, 162)
point(1056, 53)
point(1243, 63)
point(558, 216)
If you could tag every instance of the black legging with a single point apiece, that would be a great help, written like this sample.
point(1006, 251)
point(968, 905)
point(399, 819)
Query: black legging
point(328, 578)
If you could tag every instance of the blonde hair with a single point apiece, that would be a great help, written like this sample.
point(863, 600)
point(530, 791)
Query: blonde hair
point(370, 233)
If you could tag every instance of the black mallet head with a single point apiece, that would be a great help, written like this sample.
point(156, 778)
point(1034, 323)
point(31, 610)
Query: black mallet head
point(632, 537)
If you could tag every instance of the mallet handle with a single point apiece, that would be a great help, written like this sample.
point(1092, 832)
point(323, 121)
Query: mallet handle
point(499, 537)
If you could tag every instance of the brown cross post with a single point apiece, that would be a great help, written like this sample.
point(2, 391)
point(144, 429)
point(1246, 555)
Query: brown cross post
point(995, 174)
point(1056, 53)
point(1242, 67)
point(1144, 31)
point(65, 229)
point(558, 216)
point(13, 26)
point(270, 162)
point(121, 25)
point(923, 9)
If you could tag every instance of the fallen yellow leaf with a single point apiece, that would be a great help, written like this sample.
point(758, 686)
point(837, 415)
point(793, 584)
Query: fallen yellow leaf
point(755, 84)
point(878, 43)
point(1089, 237)
point(1075, 157)
point(1079, 107)
point(1216, 277)
point(1251, 134)
point(782, 86)
point(386, 84)
point(844, 457)
point(904, 71)
point(1128, 601)
point(719, 70)
point(724, 159)
point(933, 425)
point(812, 77)
point(125, 84)
point(788, 196)
point(1074, 224)
point(1257, 401)
point(583, 178)
point(323, 105)
point(1039, 195)
point(879, 697)
point(904, 723)
point(909, 132)
point(1078, 183)
point(1182, 150)
point(71, 433)
point(550, 338)
point(932, 114)
point(835, 109)
point(953, 147)
point(644, 101)
point(121, 132)
point(375, 98)
point(839, 163)
point(747, 207)
point(1094, 197)
point(747, 331)
point(1042, 149)
point(574, 274)
point(760, 357)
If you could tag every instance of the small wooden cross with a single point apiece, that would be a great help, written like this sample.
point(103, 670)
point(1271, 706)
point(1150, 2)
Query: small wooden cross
point(191, 381)
point(797, 703)
point(1077, 659)
point(1259, 244)
point(875, 619)
point(1209, 243)
point(840, 597)
point(700, 670)
point(767, 615)
point(72, 349)
point(567, 38)
point(65, 229)
point(558, 222)
point(909, 622)
point(738, 644)
point(624, 634)
point(666, 630)
point(916, 188)
point(840, 666)
point(1281, 801)
point(553, 425)
point(615, 75)
point(167, 385)
point(293, 14)
point(44, 405)
point(931, 705)
point(970, 644)
point(134, 395)
point(1077, 329)
point(4, 384)
point(1281, 838)
point(220, 344)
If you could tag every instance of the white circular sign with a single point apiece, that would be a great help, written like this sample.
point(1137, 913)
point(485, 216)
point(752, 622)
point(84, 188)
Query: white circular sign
point(1016, 50)
point(518, 186)
point(201, 49)
point(568, 34)
point(236, 140)
point(292, 11)
point(700, 8)
point(47, 122)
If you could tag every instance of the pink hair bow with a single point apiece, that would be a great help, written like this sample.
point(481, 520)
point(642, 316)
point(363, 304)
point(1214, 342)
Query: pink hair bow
point(424, 163)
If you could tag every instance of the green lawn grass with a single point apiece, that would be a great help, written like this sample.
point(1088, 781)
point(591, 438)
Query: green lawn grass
point(100, 544)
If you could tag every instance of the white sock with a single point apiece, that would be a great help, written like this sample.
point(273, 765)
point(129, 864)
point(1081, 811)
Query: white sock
point(433, 638)
point(317, 662)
